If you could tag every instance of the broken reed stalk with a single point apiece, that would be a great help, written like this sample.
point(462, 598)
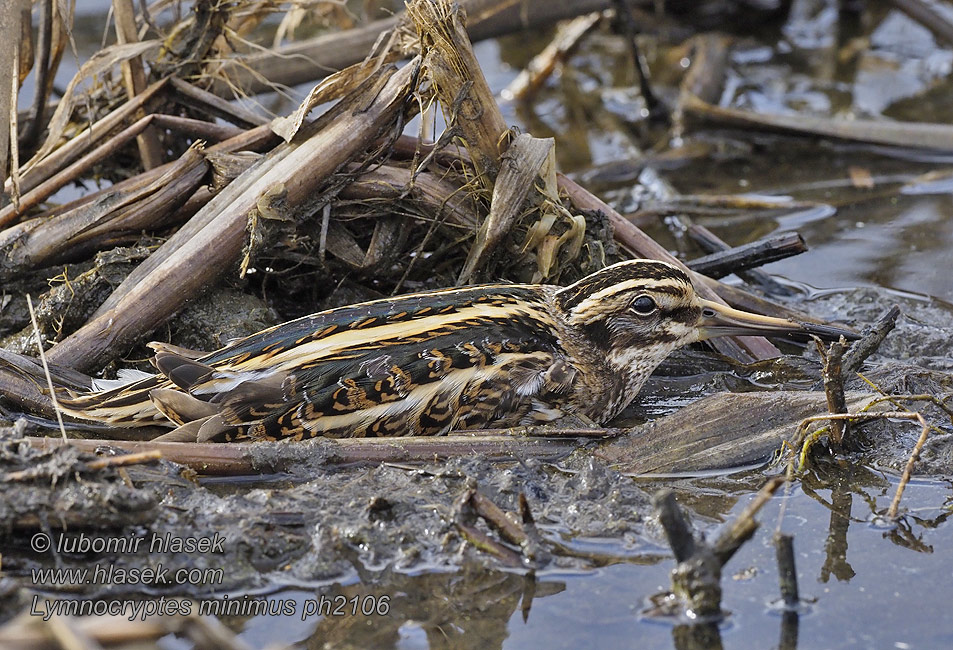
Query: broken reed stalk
point(134, 80)
point(241, 459)
point(309, 60)
point(72, 172)
point(194, 97)
point(293, 172)
point(750, 255)
point(460, 85)
point(486, 508)
point(711, 243)
point(624, 231)
point(677, 532)
point(507, 170)
point(914, 135)
point(124, 460)
point(44, 241)
point(439, 196)
point(532, 77)
point(630, 29)
point(926, 15)
point(743, 526)
point(696, 578)
point(46, 368)
point(42, 82)
point(790, 598)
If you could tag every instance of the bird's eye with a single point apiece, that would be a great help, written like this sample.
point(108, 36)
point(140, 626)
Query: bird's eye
point(643, 305)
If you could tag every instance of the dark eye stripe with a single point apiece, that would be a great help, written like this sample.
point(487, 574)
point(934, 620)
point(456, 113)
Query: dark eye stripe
point(686, 315)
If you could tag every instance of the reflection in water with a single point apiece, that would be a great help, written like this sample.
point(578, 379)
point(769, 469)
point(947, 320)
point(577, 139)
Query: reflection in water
point(789, 627)
point(908, 531)
point(470, 608)
point(842, 484)
point(705, 636)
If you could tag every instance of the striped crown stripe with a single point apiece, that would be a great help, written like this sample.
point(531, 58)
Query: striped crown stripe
point(621, 277)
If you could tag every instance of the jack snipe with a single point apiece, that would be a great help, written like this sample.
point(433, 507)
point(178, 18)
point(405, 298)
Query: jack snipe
point(487, 356)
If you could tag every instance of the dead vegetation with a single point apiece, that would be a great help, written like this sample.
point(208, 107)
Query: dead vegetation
point(335, 203)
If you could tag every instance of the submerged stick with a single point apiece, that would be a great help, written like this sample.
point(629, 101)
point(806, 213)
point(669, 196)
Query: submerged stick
point(916, 135)
point(787, 573)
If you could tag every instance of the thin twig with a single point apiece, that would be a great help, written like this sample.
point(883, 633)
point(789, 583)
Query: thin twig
point(834, 389)
point(801, 439)
point(46, 368)
point(871, 338)
point(742, 527)
point(137, 458)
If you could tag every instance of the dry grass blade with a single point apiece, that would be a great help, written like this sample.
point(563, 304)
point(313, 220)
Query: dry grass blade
point(46, 368)
point(908, 468)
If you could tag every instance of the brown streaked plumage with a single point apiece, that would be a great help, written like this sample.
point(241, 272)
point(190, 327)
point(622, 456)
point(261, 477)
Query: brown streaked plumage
point(423, 364)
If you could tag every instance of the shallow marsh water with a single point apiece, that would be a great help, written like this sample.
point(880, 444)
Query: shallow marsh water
point(872, 585)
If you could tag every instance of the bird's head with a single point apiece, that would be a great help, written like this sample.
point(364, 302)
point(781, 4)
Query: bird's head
point(638, 311)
